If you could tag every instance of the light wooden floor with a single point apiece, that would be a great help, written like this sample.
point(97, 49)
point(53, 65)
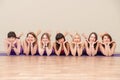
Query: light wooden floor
point(59, 68)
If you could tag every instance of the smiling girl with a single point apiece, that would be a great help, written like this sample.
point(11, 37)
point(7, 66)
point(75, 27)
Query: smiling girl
point(61, 46)
point(107, 46)
point(12, 44)
point(45, 45)
point(91, 44)
point(76, 46)
point(30, 45)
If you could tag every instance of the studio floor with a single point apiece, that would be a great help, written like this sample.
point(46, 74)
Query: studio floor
point(59, 68)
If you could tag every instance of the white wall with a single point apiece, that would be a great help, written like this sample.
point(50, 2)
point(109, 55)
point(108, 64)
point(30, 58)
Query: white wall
point(60, 15)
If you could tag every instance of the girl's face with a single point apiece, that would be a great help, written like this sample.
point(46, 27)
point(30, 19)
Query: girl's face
point(76, 38)
point(106, 39)
point(30, 38)
point(12, 39)
point(61, 40)
point(92, 38)
point(45, 39)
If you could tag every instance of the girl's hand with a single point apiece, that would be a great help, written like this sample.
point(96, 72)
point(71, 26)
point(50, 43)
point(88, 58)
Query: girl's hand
point(58, 42)
point(112, 42)
point(94, 42)
point(73, 42)
point(64, 42)
point(79, 43)
point(14, 42)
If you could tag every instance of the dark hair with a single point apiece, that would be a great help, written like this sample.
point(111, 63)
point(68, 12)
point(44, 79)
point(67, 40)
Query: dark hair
point(11, 34)
point(60, 36)
point(33, 34)
point(107, 36)
point(96, 37)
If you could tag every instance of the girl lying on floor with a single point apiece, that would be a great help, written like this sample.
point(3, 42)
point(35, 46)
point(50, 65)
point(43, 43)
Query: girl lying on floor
point(13, 44)
point(107, 46)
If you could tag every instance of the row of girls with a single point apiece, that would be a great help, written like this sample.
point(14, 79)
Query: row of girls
point(43, 46)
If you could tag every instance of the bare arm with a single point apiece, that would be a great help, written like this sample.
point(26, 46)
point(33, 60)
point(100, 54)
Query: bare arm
point(104, 50)
point(17, 49)
point(73, 49)
point(88, 49)
point(66, 48)
point(7, 48)
point(41, 49)
point(112, 50)
point(59, 50)
point(80, 47)
point(26, 48)
point(94, 50)
point(34, 49)
point(49, 49)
